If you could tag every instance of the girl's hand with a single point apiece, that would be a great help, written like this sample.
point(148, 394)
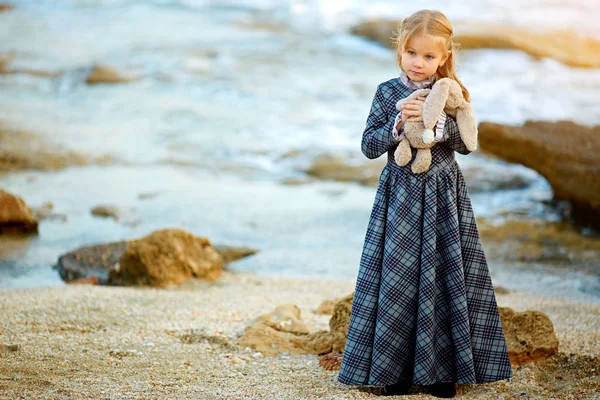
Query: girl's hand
point(412, 110)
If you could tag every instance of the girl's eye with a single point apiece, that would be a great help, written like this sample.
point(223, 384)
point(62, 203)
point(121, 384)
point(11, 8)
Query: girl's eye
point(412, 53)
point(430, 57)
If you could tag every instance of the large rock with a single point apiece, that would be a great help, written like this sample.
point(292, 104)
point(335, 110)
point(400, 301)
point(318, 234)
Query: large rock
point(340, 321)
point(166, 257)
point(529, 335)
point(98, 260)
point(284, 331)
point(15, 215)
point(533, 240)
point(564, 46)
point(566, 154)
point(90, 261)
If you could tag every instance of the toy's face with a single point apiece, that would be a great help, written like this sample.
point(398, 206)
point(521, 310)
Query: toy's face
point(422, 57)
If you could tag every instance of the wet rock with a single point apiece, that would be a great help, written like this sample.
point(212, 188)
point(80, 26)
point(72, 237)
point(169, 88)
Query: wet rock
point(44, 212)
point(283, 331)
point(566, 154)
point(529, 335)
point(480, 179)
point(564, 46)
point(107, 212)
point(15, 215)
point(230, 254)
point(148, 195)
point(501, 290)
point(22, 150)
point(96, 261)
point(90, 262)
point(297, 181)
point(331, 167)
point(532, 240)
point(166, 257)
point(102, 73)
point(5, 59)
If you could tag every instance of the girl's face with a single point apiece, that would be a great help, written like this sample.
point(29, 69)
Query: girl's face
point(422, 57)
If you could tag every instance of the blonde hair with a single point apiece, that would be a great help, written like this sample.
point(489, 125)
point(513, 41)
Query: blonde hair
point(433, 24)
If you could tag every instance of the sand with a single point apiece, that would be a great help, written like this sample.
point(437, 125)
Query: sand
point(83, 341)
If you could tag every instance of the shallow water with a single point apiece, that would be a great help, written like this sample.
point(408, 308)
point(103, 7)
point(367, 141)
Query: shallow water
point(224, 91)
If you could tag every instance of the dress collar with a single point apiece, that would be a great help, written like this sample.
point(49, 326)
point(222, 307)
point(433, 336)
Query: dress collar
point(415, 85)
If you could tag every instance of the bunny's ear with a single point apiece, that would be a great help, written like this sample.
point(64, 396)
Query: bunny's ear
point(435, 102)
point(467, 126)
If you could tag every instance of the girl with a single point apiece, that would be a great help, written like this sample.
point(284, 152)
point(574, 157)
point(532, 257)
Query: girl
point(424, 310)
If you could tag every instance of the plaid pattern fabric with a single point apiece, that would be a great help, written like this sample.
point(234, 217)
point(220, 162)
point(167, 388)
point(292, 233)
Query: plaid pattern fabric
point(424, 305)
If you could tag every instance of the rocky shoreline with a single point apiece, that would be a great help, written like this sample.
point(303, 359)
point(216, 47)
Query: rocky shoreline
point(99, 342)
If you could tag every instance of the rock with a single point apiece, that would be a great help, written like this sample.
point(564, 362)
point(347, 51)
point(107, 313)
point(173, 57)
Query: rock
point(331, 361)
point(230, 254)
point(564, 46)
point(44, 212)
point(283, 331)
point(90, 280)
point(487, 180)
point(107, 212)
point(5, 59)
point(566, 154)
point(340, 321)
point(15, 215)
point(96, 261)
point(326, 307)
point(285, 318)
point(166, 257)
point(501, 290)
point(6, 7)
point(333, 167)
point(148, 195)
point(533, 240)
point(102, 73)
point(529, 335)
point(23, 150)
point(10, 347)
point(90, 261)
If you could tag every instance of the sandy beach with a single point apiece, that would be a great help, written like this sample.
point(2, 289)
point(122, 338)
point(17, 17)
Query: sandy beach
point(82, 341)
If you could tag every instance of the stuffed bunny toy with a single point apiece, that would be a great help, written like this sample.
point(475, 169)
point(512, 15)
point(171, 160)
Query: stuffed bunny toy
point(445, 95)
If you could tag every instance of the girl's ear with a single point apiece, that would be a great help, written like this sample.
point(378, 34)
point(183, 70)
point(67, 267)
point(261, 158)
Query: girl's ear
point(445, 58)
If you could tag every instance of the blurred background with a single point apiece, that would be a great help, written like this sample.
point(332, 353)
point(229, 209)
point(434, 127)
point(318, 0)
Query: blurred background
point(242, 120)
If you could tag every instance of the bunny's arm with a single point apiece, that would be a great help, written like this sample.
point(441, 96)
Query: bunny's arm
point(452, 137)
point(378, 135)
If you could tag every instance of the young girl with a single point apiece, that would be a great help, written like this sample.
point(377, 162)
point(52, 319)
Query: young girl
point(424, 310)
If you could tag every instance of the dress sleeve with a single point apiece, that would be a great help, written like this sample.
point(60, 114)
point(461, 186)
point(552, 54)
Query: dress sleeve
point(452, 138)
point(378, 135)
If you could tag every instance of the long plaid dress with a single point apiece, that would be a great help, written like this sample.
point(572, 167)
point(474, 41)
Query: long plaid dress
point(424, 305)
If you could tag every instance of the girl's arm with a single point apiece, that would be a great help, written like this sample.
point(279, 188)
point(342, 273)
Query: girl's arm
point(378, 135)
point(452, 138)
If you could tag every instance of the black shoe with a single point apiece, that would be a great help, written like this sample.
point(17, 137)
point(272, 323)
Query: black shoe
point(397, 389)
point(443, 389)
